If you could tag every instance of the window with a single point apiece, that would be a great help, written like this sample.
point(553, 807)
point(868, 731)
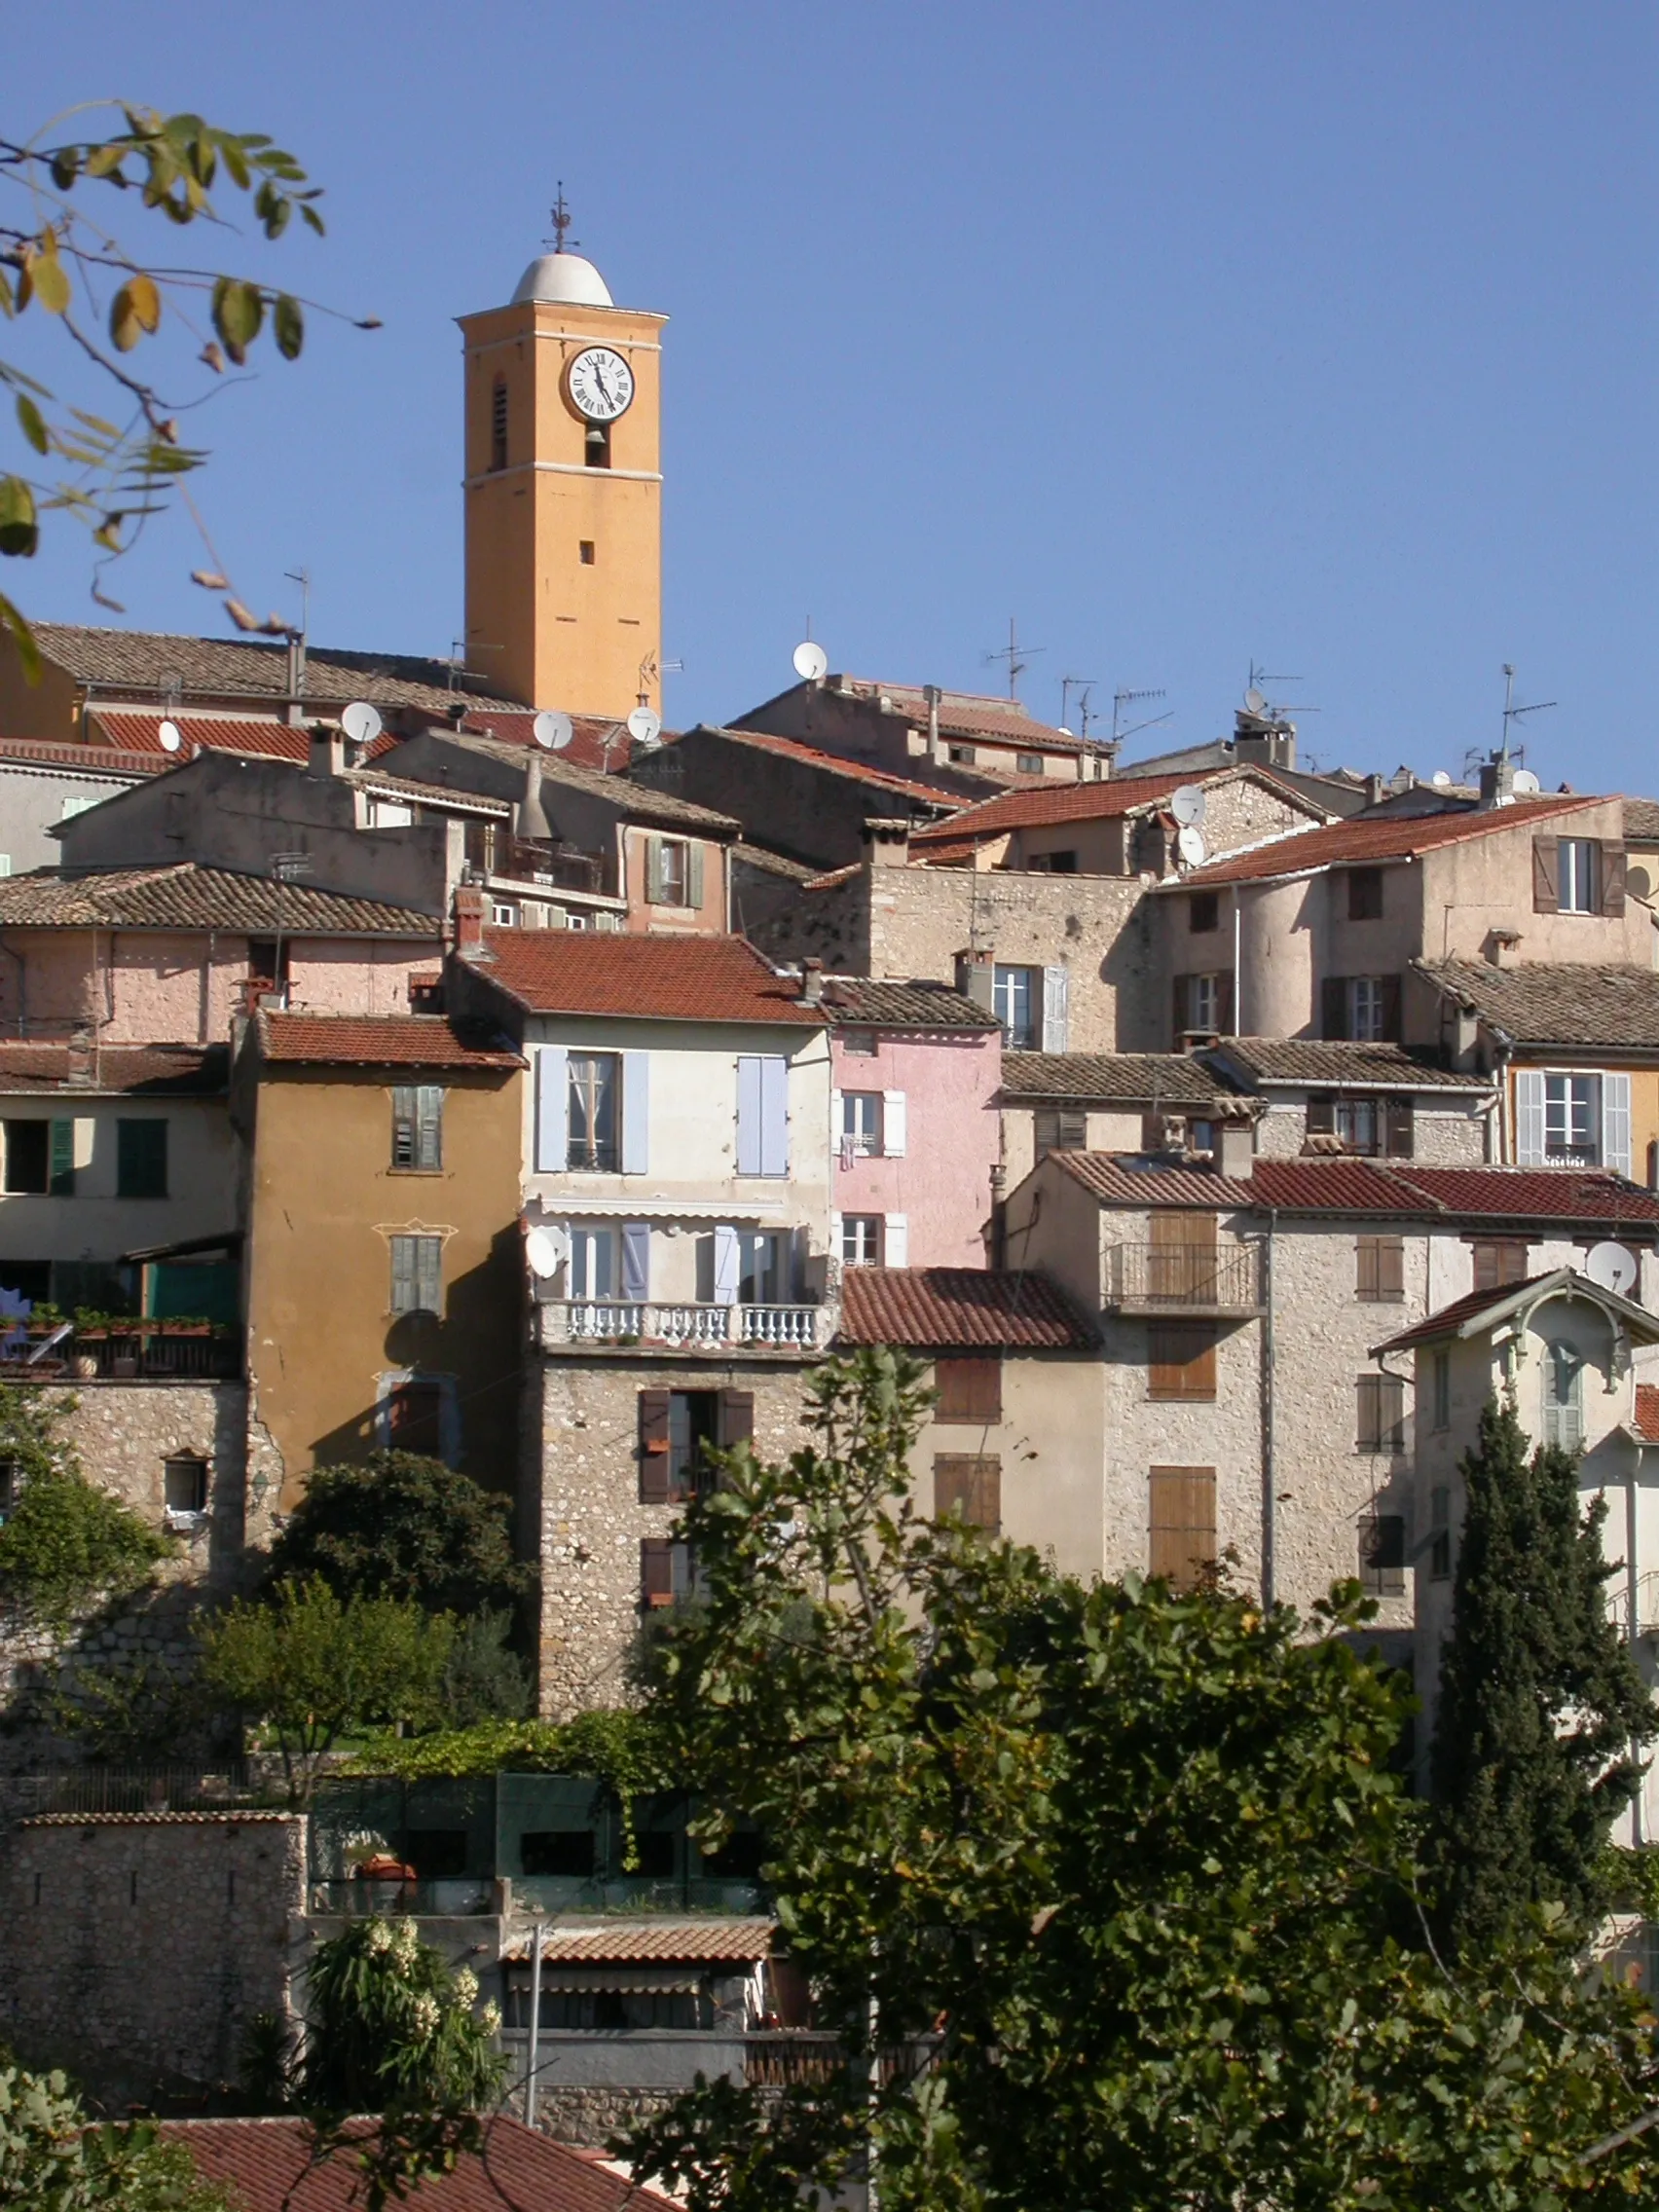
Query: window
point(861, 1123)
point(417, 1125)
point(140, 1159)
point(1181, 1545)
point(762, 1114)
point(760, 1267)
point(1203, 1005)
point(969, 1484)
point(1381, 1413)
point(499, 424)
point(1053, 864)
point(1365, 894)
point(666, 1572)
point(1383, 1554)
point(1062, 1129)
point(1365, 1009)
point(416, 1275)
point(1360, 1009)
point(1369, 1127)
point(29, 1157)
point(861, 1239)
point(1499, 1261)
point(673, 873)
point(560, 1855)
point(1204, 912)
point(1563, 1397)
point(1571, 1111)
point(269, 970)
point(1029, 764)
point(593, 1262)
point(184, 1484)
point(1442, 1389)
point(678, 1429)
point(595, 1082)
point(1575, 860)
point(413, 1416)
point(1180, 1360)
point(969, 1389)
point(73, 806)
point(1577, 875)
point(1440, 1534)
point(963, 754)
point(1380, 1267)
point(502, 914)
point(585, 552)
point(1016, 1002)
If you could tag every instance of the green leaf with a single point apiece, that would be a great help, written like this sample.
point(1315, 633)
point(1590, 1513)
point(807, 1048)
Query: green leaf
point(238, 310)
point(51, 281)
point(65, 163)
point(32, 423)
point(20, 529)
point(310, 215)
point(23, 637)
point(289, 326)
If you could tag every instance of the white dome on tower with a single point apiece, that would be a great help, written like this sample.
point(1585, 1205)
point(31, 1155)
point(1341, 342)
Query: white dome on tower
point(567, 279)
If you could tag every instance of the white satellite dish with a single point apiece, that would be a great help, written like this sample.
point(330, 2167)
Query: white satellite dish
point(552, 730)
point(1614, 1266)
point(645, 727)
point(171, 737)
point(1526, 782)
point(1187, 805)
point(1255, 702)
point(361, 722)
point(1190, 844)
point(1441, 780)
point(811, 661)
point(546, 1251)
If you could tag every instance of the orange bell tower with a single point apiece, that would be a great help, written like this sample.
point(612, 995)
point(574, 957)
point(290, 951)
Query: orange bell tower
point(564, 491)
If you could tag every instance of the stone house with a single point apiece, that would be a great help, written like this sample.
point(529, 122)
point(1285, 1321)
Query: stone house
point(1111, 1102)
point(972, 743)
point(1576, 1362)
point(42, 785)
point(1380, 1101)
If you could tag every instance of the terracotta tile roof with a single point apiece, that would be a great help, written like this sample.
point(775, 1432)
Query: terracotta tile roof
point(162, 1070)
point(640, 802)
point(833, 878)
point(1542, 1003)
point(1336, 1186)
point(236, 1816)
point(257, 735)
point(1648, 1412)
point(1372, 837)
point(149, 660)
point(855, 1001)
point(380, 1040)
point(964, 714)
point(1463, 1316)
point(959, 1309)
point(773, 863)
point(832, 764)
point(1304, 1060)
point(1642, 820)
point(410, 794)
point(596, 742)
point(1039, 804)
point(1451, 1318)
point(184, 895)
point(658, 978)
point(262, 2165)
point(1133, 1079)
point(1536, 1193)
point(652, 1935)
point(1129, 1181)
point(87, 759)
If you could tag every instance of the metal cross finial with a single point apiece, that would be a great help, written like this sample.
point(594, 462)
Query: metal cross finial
point(562, 220)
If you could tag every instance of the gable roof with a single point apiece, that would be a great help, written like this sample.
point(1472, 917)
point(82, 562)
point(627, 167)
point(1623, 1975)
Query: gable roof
point(649, 978)
point(961, 713)
point(643, 801)
point(185, 895)
point(858, 1001)
point(1034, 805)
point(1546, 1003)
point(1482, 1310)
point(185, 1071)
point(139, 732)
point(1129, 1079)
point(596, 742)
point(959, 1310)
point(379, 1041)
point(265, 2166)
point(1364, 838)
point(832, 764)
point(102, 763)
point(1300, 1061)
point(1642, 820)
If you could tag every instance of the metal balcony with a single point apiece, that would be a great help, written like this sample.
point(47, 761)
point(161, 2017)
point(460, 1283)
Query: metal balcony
point(565, 1322)
point(1202, 1282)
point(1646, 1603)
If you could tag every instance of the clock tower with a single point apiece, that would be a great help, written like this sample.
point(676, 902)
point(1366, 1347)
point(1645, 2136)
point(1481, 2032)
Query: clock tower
point(563, 492)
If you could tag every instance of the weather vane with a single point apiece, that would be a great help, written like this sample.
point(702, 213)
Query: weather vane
point(561, 219)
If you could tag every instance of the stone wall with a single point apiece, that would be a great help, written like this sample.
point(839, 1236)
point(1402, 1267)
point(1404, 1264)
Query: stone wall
point(137, 1948)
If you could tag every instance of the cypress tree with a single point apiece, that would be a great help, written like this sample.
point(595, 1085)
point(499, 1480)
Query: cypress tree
point(1541, 1707)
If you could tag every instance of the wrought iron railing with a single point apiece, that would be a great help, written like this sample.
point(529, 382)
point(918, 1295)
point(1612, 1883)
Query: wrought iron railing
point(1225, 1279)
point(1646, 1603)
point(649, 1321)
point(156, 1351)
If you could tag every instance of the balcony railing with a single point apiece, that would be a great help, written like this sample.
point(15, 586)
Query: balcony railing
point(1646, 1605)
point(1213, 1280)
point(491, 851)
point(629, 1321)
point(153, 1351)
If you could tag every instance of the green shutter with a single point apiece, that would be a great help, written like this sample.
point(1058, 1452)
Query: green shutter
point(429, 1126)
point(653, 871)
point(63, 1160)
point(403, 1274)
point(694, 874)
point(141, 1159)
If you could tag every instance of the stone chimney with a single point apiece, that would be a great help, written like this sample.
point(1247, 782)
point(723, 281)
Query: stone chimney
point(932, 694)
point(1235, 1149)
point(887, 837)
point(469, 911)
point(1504, 947)
point(327, 750)
point(976, 979)
point(1498, 781)
point(812, 982)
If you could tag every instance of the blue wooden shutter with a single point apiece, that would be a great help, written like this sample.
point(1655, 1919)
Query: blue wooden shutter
point(727, 1264)
point(748, 1153)
point(552, 1110)
point(636, 1113)
point(636, 1261)
point(774, 1116)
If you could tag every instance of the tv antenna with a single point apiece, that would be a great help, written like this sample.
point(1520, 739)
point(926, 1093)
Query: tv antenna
point(1512, 712)
point(302, 577)
point(1257, 702)
point(562, 220)
point(1011, 652)
point(1127, 698)
point(1069, 685)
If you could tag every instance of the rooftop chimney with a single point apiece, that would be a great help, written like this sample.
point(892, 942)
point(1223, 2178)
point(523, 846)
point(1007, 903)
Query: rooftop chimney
point(469, 923)
point(976, 979)
point(887, 837)
point(1235, 1149)
point(931, 693)
point(1498, 781)
point(812, 982)
point(327, 750)
point(1267, 742)
point(532, 824)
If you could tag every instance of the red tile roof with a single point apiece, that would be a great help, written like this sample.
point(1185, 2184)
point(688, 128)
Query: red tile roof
point(184, 1070)
point(1312, 1185)
point(183, 895)
point(380, 1040)
point(92, 760)
point(1130, 1183)
point(966, 1309)
point(1379, 838)
point(792, 749)
point(1458, 1319)
point(262, 2166)
point(595, 742)
point(134, 730)
point(1534, 1194)
point(656, 978)
point(1040, 803)
point(1648, 1411)
point(653, 1936)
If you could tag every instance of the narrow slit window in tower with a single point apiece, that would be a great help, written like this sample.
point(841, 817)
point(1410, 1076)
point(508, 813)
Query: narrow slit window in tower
point(499, 424)
point(599, 445)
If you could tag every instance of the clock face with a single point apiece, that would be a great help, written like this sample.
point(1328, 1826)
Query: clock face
point(600, 384)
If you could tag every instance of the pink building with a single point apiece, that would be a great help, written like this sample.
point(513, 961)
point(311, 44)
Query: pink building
point(917, 1068)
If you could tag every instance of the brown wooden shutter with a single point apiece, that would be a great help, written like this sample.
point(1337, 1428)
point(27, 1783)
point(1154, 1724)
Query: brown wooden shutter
point(1400, 1128)
point(1391, 1266)
point(736, 1418)
point(969, 1389)
point(1392, 1413)
point(656, 1571)
point(1365, 1267)
point(1180, 1360)
point(1546, 876)
point(970, 1484)
point(1224, 1002)
point(1181, 1524)
point(1369, 1434)
point(1499, 1261)
point(1391, 1009)
point(1333, 1004)
point(1323, 1117)
point(1612, 879)
point(653, 1448)
point(1182, 1262)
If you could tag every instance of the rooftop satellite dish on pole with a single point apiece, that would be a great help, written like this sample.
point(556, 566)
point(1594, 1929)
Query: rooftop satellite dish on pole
point(171, 737)
point(1255, 702)
point(552, 730)
point(1614, 1267)
point(811, 661)
point(1526, 783)
point(1187, 804)
point(1190, 845)
point(645, 727)
point(1441, 780)
point(361, 722)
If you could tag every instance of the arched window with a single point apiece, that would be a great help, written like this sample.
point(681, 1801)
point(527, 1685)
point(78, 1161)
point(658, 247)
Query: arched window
point(498, 424)
point(1563, 1397)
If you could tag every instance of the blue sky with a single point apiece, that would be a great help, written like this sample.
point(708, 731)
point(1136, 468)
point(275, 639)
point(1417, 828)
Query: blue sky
point(1187, 335)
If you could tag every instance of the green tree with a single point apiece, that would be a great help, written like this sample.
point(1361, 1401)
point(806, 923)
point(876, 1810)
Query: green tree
point(54, 2158)
point(65, 1541)
point(1122, 1877)
point(102, 300)
point(401, 1525)
point(315, 1670)
point(1542, 1712)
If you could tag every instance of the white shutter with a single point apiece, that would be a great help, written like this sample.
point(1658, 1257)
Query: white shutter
point(893, 1125)
point(895, 1240)
point(726, 1265)
point(552, 1110)
point(1528, 1118)
point(636, 1113)
point(748, 1153)
point(1057, 1009)
point(1615, 1122)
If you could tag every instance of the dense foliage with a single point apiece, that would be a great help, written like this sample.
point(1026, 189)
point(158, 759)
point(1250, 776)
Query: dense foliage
point(1121, 1880)
point(65, 1541)
point(53, 2157)
point(1541, 1709)
point(401, 1525)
